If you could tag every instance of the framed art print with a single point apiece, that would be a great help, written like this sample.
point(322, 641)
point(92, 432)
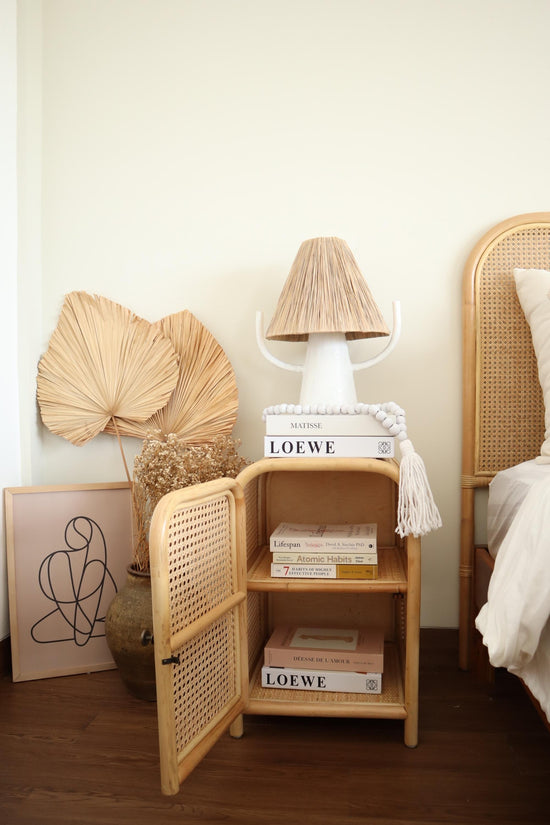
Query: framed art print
point(67, 553)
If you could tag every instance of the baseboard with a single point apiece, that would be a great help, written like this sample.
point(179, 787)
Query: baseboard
point(5, 657)
point(445, 636)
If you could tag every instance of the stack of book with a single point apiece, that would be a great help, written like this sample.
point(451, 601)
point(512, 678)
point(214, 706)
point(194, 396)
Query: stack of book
point(324, 551)
point(326, 659)
point(320, 435)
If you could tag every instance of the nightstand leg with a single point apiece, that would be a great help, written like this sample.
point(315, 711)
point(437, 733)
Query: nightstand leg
point(411, 729)
point(236, 729)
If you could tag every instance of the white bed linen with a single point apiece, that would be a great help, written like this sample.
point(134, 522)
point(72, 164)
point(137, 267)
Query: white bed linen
point(515, 621)
point(506, 492)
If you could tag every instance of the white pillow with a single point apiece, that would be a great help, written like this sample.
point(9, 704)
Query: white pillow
point(533, 289)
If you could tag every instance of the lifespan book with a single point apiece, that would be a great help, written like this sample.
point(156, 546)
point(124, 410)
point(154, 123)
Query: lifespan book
point(291, 538)
point(321, 446)
point(324, 571)
point(342, 681)
point(325, 648)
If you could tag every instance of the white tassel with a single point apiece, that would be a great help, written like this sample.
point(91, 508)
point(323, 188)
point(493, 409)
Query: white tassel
point(417, 511)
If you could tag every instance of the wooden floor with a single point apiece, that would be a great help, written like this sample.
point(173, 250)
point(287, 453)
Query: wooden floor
point(80, 750)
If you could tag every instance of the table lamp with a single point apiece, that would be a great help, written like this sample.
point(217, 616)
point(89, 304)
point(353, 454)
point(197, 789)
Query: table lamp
point(326, 302)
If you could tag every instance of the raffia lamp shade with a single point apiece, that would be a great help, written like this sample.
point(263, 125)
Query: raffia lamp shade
point(325, 292)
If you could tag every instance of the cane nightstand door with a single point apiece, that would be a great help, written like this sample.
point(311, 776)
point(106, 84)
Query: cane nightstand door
point(198, 583)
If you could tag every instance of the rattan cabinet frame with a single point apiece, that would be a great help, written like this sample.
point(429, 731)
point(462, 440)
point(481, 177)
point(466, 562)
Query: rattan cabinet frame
point(249, 603)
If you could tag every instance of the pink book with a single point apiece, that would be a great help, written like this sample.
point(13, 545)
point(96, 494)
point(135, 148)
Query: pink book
point(311, 648)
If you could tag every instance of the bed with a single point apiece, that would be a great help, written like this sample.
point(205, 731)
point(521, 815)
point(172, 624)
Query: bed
point(505, 482)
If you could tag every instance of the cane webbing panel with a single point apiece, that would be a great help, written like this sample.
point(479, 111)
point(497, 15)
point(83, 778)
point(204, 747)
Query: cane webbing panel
point(256, 624)
point(252, 516)
point(509, 405)
point(205, 680)
point(200, 562)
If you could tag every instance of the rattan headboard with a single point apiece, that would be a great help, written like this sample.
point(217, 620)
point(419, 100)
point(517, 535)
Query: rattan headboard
point(503, 410)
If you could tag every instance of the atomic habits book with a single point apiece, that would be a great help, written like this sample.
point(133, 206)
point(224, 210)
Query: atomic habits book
point(322, 648)
point(321, 557)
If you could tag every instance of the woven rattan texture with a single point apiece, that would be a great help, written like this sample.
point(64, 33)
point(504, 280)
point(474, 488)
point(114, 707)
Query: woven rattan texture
point(200, 577)
point(204, 681)
point(509, 405)
point(252, 527)
point(199, 560)
point(257, 625)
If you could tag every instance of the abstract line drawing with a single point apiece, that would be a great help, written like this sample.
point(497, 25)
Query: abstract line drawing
point(68, 548)
point(78, 582)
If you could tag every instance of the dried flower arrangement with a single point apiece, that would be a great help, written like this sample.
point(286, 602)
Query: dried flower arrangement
point(168, 463)
point(169, 383)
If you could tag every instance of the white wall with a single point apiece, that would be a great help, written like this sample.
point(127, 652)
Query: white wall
point(9, 405)
point(188, 147)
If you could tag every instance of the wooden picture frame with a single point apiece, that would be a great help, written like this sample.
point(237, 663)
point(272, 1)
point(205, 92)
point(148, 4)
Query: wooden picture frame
point(68, 548)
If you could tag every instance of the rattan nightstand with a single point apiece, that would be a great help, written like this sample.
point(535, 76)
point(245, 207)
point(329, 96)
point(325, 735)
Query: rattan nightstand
point(215, 603)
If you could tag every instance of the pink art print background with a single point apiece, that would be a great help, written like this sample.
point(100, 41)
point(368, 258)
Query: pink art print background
point(68, 550)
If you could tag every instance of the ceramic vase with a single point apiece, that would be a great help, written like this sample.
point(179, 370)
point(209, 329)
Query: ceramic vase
point(129, 618)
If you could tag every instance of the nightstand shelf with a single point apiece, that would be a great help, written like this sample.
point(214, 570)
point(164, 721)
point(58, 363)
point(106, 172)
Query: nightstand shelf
point(392, 576)
point(388, 704)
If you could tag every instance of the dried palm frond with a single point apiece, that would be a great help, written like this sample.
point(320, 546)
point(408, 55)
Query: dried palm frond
point(102, 363)
point(205, 401)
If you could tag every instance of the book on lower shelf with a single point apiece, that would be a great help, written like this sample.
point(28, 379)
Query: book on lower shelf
point(321, 446)
point(340, 681)
point(326, 648)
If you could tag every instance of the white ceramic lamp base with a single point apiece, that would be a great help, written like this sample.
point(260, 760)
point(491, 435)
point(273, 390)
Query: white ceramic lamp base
point(327, 376)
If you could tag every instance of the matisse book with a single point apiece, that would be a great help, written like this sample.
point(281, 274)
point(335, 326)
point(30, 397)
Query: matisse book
point(292, 537)
point(294, 424)
point(325, 648)
point(342, 681)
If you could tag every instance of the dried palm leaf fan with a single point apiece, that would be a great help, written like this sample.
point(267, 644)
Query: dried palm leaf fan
point(204, 403)
point(102, 363)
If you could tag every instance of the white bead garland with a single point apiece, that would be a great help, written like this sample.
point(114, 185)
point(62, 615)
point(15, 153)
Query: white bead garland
point(381, 412)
